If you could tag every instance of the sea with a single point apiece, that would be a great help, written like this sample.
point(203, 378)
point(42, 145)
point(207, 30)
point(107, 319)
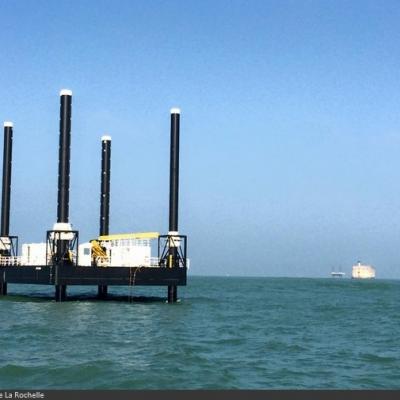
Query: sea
point(224, 333)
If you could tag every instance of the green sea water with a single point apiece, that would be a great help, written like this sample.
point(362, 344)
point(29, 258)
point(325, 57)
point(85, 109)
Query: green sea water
point(225, 333)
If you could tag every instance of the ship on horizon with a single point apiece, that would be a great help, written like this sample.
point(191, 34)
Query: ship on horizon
point(337, 274)
point(362, 271)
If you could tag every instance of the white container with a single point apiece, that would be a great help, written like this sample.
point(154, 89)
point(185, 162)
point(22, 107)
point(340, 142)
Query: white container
point(33, 254)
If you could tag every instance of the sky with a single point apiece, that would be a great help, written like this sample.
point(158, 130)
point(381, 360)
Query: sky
point(290, 126)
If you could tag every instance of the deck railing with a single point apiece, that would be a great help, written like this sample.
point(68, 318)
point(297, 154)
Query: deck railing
point(7, 261)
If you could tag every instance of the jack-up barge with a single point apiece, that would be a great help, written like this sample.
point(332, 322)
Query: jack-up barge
point(108, 260)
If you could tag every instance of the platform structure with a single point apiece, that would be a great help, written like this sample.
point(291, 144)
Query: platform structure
point(60, 267)
point(65, 272)
point(65, 275)
point(120, 276)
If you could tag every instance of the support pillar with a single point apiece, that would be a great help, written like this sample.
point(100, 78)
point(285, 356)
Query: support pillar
point(61, 293)
point(102, 290)
point(174, 195)
point(3, 288)
point(172, 294)
point(6, 188)
point(64, 155)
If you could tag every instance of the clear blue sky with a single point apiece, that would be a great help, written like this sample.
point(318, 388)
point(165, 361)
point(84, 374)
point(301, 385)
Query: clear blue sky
point(290, 126)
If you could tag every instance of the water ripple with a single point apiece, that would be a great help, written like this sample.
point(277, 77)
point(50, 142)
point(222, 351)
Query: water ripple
point(227, 333)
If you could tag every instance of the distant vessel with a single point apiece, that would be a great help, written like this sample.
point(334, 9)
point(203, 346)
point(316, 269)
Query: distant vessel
point(338, 274)
point(361, 271)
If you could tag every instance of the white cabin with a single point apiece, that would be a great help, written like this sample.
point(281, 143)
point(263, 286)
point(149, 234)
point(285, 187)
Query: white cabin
point(124, 250)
